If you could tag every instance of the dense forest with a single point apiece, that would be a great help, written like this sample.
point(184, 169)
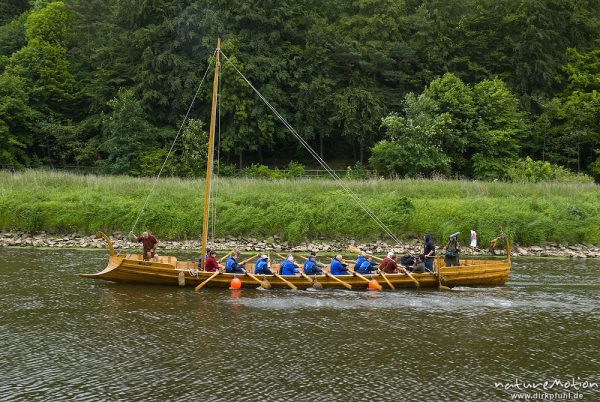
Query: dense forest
point(466, 88)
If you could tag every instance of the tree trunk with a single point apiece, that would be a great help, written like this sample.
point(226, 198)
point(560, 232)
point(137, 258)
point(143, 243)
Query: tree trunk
point(362, 153)
point(321, 145)
point(240, 161)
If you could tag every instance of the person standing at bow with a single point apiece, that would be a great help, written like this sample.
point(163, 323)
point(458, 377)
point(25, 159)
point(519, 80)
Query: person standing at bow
point(389, 265)
point(311, 267)
point(337, 267)
point(428, 252)
point(232, 266)
point(149, 243)
point(452, 251)
point(262, 266)
point(288, 267)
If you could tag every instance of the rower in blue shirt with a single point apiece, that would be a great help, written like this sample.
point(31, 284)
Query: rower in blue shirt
point(337, 267)
point(232, 266)
point(288, 267)
point(367, 267)
point(262, 266)
point(361, 258)
point(311, 267)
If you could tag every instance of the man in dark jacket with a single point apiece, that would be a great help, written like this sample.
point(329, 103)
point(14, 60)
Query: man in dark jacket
point(428, 252)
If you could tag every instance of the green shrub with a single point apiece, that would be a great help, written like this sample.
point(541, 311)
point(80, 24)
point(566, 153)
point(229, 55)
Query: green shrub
point(295, 169)
point(531, 171)
point(256, 171)
point(358, 172)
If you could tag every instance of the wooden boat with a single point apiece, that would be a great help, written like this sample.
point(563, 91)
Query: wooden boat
point(167, 270)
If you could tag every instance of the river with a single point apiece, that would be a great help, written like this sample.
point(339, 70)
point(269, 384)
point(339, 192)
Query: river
point(66, 337)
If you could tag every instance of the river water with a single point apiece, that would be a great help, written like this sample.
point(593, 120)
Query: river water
point(66, 337)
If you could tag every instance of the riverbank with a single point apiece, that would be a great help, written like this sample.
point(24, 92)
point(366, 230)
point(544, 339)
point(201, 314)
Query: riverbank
point(43, 240)
point(303, 210)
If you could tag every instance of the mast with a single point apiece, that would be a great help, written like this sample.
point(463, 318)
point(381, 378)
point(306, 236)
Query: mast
point(209, 161)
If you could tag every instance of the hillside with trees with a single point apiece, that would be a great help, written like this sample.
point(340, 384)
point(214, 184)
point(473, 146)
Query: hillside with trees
point(458, 88)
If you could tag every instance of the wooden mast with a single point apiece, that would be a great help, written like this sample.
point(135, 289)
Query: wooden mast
point(209, 161)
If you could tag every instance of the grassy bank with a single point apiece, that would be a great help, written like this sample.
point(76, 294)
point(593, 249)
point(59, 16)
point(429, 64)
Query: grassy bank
point(301, 209)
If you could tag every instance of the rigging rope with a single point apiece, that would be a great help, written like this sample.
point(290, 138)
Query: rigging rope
point(315, 155)
point(173, 144)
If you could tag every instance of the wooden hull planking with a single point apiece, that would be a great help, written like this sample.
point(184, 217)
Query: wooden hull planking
point(131, 268)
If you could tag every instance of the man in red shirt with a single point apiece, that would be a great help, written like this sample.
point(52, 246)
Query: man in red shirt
point(388, 265)
point(149, 243)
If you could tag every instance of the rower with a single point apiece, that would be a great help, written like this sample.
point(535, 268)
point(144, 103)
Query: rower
point(311, 267)
point(388, 265)
point(288, 267)
point(232, 266)
point(337, 267)
point(262, 266)
point(211, 264)
point(367, 266)
point(359, 261)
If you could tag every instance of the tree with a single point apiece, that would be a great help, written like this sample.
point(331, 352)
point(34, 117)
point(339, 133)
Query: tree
point(126, 133)
point(17, 120)
point(358, 114)
point(499, 128)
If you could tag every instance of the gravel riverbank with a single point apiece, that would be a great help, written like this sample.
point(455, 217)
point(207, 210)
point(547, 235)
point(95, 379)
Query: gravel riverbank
point(22, 239)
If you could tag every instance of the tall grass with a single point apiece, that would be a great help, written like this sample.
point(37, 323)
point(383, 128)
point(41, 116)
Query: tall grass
point(303, 209)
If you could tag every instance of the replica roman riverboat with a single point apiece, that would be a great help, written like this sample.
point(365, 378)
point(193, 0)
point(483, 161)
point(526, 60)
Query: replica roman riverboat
point(167, 270)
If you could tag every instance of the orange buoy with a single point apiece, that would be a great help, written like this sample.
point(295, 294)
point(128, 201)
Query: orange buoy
point(235, 283)
point(372, 284)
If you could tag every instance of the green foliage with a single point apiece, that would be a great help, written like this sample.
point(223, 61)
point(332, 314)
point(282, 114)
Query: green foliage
point(258, 171)
point(332, 70)
point(295, 169)
point(17, 119)
point(453, 128)
point(531, 171)
point(126, 135)
point(190, 158)
point(531, 213)
point(49, 24)
point(358, 172)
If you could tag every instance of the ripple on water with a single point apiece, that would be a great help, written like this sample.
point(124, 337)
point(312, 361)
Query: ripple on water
point(64, 337)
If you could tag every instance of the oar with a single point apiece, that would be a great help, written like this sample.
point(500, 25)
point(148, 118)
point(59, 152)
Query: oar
point(315, 284)
point(440, 286)
point(264, 284)
point(358, 251)
point(225, 256)
point(387, 280)
point(364, 278)
point(335, 278)
point(210, 278)
point(288, 283)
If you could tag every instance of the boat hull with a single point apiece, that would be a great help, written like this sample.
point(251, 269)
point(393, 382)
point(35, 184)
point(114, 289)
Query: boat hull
point(131, 268)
